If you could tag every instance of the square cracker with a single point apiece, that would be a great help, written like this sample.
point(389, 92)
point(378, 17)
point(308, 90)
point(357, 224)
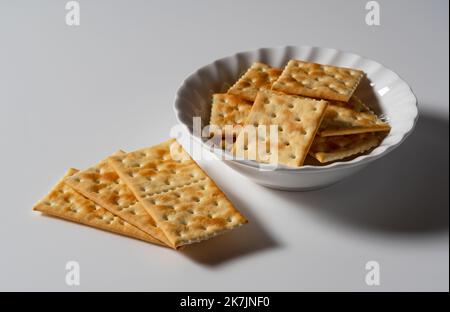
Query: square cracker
point(326, 149)
point(65, 203)
point(318, 81)
point(228, 110)
point(297, 120)
point(340, 120)
point(101, 184)
point(194, 212)
point(156, 169)
point(258, 77)
point(167, 182)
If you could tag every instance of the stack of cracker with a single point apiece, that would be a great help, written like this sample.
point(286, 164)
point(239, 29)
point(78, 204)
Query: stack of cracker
point(313, 106)
point(157, 194)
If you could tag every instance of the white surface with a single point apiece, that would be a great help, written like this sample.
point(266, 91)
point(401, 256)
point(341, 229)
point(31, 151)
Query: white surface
point(381, 90)
point(71, 95)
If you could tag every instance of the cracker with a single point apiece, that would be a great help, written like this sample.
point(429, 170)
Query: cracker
point(340, 120)
point(326, 149)
point(354, 103)
point(157, 169)
point(65, 203)
point(194, 212)
point(297, 119)
point(258, 77)
point(228, 110)
point(167, 185)
point(101, 184)
point(318, 81)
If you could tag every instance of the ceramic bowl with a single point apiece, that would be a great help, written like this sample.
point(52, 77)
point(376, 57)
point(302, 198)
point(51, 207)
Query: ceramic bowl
point(382, 90)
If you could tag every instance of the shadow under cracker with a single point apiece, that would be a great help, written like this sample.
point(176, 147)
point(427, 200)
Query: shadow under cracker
point(404, 193)
point(251, 238)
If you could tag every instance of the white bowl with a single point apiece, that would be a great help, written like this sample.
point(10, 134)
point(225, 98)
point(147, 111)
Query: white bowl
point(382, 89)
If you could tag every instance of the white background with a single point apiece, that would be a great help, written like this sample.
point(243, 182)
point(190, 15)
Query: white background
point(69, 96)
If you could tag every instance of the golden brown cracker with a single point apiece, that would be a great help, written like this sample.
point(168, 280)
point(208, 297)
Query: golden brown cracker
point(318, 81)
point(258, 77)
point(65, 203)
point(101, 184)
point(340, 120)
point(327, 149)
point(164, 182)
point(297, 120)
point(228, 110)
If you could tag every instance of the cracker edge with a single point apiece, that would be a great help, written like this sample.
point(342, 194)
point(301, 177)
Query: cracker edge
point(142, 237)
point(324, 157)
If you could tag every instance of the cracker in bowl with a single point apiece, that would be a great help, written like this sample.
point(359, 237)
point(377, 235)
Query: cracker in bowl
point(288, 108)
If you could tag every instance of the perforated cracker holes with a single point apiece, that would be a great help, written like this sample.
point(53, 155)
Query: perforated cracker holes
point(228, 110)
point(101, 184)
point(297, 120)
point(257, 78)
point(194, 212)
point(318, 81)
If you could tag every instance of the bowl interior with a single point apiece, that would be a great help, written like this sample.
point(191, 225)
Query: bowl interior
point(381, 89)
